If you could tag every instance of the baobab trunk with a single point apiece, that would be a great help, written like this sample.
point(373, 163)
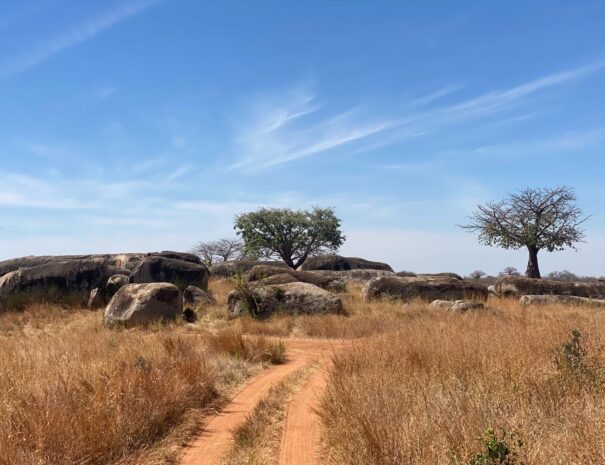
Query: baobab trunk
point(533, 271)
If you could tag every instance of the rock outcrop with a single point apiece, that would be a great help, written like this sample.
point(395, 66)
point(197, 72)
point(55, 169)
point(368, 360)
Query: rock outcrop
point(233, 267)
point(459, 306)
point(155, 269)
point(408, 289)
point(194, 297)
point(532, 300)
point(339, 263)
point(517, 286)
point(56, 277)
point(140, 304)
point(118, 263)
point(295, 298)
point(184, 256)
point(441, 275)
point(359, 276)
point(263, 273)
point(282, 278)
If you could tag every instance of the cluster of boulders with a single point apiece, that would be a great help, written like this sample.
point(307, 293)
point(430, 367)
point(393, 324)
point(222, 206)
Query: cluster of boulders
point(425, 288)
point(314, 288)
point(544, 291)
point(125, 283)
point(140, 288)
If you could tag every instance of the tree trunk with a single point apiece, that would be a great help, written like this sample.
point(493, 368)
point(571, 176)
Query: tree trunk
point(533, 271)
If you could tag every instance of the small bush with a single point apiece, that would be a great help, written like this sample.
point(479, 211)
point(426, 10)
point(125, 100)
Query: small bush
point(496, 450)
point(574, 361)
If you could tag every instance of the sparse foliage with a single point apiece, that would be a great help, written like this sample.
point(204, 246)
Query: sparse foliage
point(477, 274)
point(564, 275)
point(509, 271)
point(574, 361)
point(292, 235)
point(533, 218)
point(220, 250)
point(501, 450)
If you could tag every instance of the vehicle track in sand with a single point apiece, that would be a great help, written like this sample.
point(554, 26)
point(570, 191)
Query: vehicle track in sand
point(301, 429)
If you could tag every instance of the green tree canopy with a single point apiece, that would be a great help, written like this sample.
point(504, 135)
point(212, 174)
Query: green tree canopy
point(292, 235)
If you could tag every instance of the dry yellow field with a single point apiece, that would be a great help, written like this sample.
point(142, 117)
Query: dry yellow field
point(416, 386)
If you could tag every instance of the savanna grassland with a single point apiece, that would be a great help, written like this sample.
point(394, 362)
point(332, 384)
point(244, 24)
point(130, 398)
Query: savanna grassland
point(414, 385)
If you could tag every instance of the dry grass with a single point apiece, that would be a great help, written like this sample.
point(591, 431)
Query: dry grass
point(255, 349)
point(417, 386)
point(256, 441)
point(424, 394)
point(74, 392)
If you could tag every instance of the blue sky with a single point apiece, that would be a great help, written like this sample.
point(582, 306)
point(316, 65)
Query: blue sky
point(145, 125)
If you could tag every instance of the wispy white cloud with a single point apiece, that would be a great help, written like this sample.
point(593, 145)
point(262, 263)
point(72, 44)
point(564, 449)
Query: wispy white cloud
point(44, 51)
point(293, 127)
point(20, 190)
point(571, 141)
point(178, 173)
point(434, 96)
point(499, 100)
point(105, 92)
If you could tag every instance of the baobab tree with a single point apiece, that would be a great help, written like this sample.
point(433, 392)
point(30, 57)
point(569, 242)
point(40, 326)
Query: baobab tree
point(538, 219)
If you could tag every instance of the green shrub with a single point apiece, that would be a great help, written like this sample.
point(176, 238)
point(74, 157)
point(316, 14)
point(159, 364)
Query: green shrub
point(503, 450)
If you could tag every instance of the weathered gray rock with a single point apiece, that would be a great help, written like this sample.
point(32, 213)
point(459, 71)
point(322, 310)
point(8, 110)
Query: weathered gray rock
point(282, 278)
point(532, 300)
point(359, 276)
point(124, 261)
point(339, 263)
point(100, 296)
point(57, 277)
point(233, 267)
point(194, 297)
point(462, 306)
point(292, 298)
point(443, 304)
point(516, 286)
point(440, 275)
point(459, 306)
point(96, 299)
point(184, 256)
point(154, 269)
point(119, 261)
point(114, 283)
point(140, 304)
point(116, 270)
point(263, 273)
point(408, 289)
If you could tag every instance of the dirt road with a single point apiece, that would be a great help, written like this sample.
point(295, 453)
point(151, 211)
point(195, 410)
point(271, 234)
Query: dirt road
point(299, 440)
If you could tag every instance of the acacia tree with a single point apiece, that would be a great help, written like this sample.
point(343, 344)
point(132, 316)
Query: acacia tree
point(509, 271)
point(538, 219)
point(292, 235)
point(477, 274)
point(220, 250)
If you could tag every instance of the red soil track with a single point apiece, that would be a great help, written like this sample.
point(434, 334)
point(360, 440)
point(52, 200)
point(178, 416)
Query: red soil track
point(299, 441)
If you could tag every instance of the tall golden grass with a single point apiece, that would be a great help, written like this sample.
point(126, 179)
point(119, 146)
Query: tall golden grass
point(75, 392)
point(425, 393)
point(417, 385)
